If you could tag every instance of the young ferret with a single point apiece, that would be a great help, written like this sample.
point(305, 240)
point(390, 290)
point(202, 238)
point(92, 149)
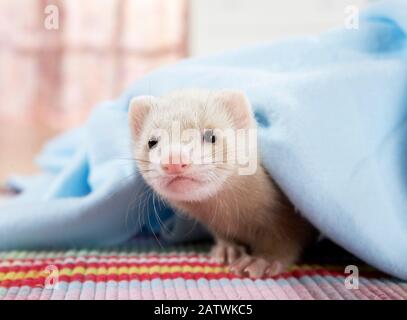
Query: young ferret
point(257, 231)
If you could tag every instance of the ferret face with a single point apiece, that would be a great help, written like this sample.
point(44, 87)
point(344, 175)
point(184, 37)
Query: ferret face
point(188, 143)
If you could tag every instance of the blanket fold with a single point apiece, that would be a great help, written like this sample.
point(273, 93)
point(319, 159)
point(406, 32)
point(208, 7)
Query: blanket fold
point(332, 113)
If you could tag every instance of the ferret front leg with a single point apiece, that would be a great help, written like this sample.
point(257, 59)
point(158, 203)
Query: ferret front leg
point(268, 258)
point(227, 252)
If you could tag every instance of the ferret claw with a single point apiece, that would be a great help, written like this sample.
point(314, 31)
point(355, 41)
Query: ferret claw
point(256, 267)
point(226, 253)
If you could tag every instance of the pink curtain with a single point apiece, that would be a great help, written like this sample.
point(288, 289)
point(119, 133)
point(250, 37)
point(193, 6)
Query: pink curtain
point(54, 76)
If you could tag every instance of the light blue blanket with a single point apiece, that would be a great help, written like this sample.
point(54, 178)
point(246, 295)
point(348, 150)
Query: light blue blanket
point(332, 112)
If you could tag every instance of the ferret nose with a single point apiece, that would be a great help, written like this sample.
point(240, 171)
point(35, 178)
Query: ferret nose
point(175, 168)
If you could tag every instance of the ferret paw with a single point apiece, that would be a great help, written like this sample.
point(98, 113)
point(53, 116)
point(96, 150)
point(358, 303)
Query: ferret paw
point(226, 253)
point(256, 267)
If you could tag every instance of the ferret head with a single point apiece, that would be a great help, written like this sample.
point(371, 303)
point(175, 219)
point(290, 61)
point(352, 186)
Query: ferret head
point(189, 143)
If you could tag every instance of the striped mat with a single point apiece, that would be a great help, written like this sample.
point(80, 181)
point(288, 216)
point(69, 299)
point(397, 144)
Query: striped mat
point(173, 273)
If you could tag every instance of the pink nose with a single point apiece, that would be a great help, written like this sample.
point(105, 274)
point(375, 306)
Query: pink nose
point(175, 168)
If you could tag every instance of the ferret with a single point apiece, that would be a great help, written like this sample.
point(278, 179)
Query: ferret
point(257, 230)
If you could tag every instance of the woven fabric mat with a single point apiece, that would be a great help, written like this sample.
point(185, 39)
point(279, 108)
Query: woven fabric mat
point(174, 273)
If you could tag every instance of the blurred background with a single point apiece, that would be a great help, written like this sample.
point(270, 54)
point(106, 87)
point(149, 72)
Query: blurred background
point(59, 58)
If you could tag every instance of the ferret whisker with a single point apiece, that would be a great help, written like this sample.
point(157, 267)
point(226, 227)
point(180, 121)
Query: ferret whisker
point(132, 175)
point(132, 204)
point(215, 215)
point(147, 170)
point(161, 203)
point(143, 212)
point(237, 208)
point(130, 207)
point(152, 229)
point(160, 221)
point(134, 159)
point(192, 228)
point(229, 150)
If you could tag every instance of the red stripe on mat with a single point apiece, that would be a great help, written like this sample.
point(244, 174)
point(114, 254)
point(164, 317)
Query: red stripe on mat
point(39, 282)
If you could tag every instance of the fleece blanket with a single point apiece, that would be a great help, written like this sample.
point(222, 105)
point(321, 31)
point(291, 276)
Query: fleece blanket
point(332, 114)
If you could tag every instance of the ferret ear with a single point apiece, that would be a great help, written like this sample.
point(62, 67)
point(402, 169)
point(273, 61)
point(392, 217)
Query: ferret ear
point(138, 110)
point(238, 106)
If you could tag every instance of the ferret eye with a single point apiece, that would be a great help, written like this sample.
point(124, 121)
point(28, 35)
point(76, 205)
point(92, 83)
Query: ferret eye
point(209, 136)
point(152, 143)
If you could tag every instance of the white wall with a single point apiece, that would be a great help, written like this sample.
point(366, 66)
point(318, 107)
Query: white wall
point(216, 25)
